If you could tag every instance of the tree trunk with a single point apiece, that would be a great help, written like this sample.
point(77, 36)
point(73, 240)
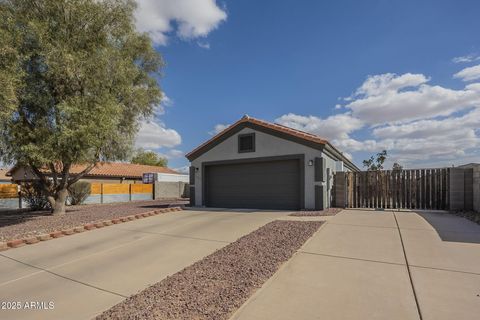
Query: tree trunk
point(60, 198)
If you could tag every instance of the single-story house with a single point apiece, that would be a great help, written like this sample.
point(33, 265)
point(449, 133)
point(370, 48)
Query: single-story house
point(105, 172)
point(4, 179)
point(262, 165)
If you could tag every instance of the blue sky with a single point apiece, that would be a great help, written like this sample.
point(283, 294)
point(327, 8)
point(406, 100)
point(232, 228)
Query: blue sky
point(368, 75)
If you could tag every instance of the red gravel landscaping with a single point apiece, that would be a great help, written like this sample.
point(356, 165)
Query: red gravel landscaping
point(326, 212)
point(26, 224)
point(214, 287)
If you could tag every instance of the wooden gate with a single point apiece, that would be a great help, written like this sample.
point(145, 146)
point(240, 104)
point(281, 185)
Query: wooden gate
point(394, 189)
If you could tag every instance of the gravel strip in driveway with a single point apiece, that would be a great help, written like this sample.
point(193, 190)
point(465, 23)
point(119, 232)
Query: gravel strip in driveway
point(26, 224)
point(214, 287)
point(326, 212)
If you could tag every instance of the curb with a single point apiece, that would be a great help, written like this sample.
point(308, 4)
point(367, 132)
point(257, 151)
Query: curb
point(44, 237)
point(3, 246)
point(16, 243)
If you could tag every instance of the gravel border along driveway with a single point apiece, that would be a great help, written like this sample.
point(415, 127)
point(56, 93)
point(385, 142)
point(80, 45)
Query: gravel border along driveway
point(214, 287)
point(27, 224)
point(326, 212)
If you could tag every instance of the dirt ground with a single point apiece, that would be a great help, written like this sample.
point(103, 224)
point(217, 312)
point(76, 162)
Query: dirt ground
point(25, 224)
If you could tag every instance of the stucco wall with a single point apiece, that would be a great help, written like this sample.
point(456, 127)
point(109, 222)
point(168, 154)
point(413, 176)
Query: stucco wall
point(166, 189)
point(265, 146)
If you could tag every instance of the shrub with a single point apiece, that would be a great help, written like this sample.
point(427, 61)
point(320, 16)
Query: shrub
point(78, 192)
point(34, 197)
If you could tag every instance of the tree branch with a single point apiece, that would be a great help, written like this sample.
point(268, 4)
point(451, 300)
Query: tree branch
point(54, 174)
point(65, 176)
point(81, 174)
point(43, 179)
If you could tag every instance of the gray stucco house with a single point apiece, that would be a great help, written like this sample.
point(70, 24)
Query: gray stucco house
point(260, 165)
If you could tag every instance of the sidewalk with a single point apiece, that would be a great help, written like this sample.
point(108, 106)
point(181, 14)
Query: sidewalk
point(355, 267)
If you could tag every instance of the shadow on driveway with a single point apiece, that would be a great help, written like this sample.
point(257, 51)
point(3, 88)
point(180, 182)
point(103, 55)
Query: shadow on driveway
point(451, 227)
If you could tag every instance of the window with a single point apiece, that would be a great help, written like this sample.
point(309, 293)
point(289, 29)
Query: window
point(246, 142)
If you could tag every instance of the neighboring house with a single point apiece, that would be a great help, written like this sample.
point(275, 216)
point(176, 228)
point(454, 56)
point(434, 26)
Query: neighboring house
point(106, 172)
point(4, 179)
point(261, 165)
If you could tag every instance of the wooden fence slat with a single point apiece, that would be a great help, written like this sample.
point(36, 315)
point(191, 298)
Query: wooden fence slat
point(439, 186)
point(416, 189)
point(444, 189)
point(8, 191)
point(395, 189)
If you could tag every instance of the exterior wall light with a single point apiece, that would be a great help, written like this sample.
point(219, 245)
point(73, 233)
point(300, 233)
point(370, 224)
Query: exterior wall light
point(310, 163)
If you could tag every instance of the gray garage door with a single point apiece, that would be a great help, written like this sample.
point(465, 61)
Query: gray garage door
point(260, 185)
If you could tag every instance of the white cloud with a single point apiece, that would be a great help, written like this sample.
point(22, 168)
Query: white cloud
point(184, 169)
point(218, 128)
point(203, 45)
point(154, 135)
point(391, 98)
point(419, 124)
point(174, 153)
point(170, 154)
point(335, 127)
point(193, 18)
point(432, 128)
point(468, 74)
point(159, 110)
point(389, 82)
point(467, 58)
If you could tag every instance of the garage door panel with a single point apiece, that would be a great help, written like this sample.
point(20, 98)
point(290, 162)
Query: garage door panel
point(263, 185)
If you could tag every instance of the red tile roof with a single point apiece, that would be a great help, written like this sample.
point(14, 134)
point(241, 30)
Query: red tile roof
point(3, 174)
point(119, 169)
point(116, 169)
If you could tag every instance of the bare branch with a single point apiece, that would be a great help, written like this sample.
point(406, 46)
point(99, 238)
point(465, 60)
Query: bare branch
point(54, 174)
point(81, 174)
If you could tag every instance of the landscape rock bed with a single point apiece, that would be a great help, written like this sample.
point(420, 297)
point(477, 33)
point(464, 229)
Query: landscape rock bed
point(319, 213)
point(214, 287)
point(30, 224)
point(470, 215)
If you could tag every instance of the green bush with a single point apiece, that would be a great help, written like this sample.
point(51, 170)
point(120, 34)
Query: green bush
point(34, 197)
point(78, 192)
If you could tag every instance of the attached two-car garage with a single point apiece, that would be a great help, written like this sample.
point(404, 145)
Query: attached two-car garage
point(267, 184)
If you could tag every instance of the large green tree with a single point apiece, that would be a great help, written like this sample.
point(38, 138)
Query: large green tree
point(149, 158)
point(75, 81)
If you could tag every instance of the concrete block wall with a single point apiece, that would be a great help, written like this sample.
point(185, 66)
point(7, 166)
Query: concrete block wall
point(476, 188)
point(340, 189)
point(171, 190)
point(468, 189)
point(457, 188)
point(465, 188)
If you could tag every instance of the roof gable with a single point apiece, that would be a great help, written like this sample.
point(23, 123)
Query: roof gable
point(262, 126)
point(274, 129)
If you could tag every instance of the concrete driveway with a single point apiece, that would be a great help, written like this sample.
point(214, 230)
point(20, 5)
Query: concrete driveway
point(87, 273)
point(378, 265)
